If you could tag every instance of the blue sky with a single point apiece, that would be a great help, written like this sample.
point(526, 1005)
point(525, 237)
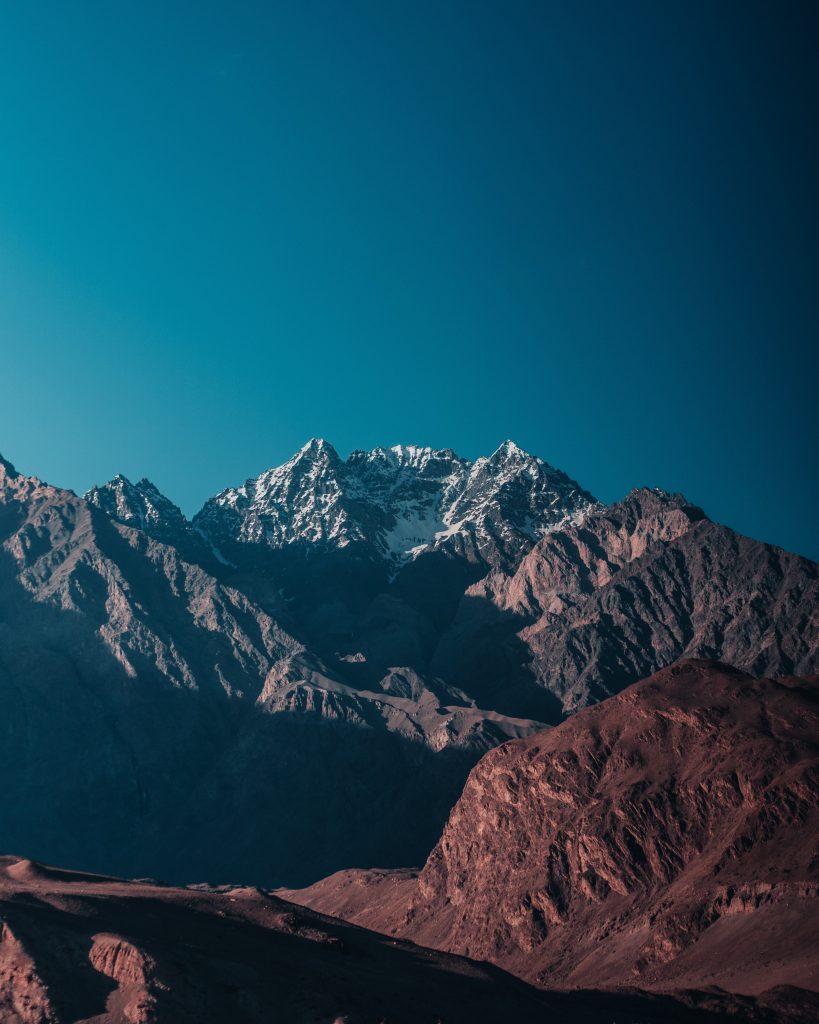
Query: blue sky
point(592, 228)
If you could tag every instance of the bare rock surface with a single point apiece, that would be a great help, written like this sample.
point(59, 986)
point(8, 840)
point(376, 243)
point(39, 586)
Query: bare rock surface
point(667, 838)
point(398, 502)
point(178, 699)
point(78, 947)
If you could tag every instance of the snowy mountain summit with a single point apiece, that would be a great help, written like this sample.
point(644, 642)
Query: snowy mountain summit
point(141, 505)
point(399, 501)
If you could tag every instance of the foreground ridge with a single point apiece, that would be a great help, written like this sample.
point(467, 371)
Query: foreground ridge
point(665, 838)
point(87, 947)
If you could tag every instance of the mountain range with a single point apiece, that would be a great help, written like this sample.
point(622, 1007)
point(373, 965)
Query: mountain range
point(593, 726)
point(177, 695)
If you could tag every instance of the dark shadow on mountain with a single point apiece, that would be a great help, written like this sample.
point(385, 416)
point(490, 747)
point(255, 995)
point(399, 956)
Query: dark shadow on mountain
point(316, 591)
point(295, 798)
point(483, 655)
point(238, 955)
point(136, 777)
point(59, 949)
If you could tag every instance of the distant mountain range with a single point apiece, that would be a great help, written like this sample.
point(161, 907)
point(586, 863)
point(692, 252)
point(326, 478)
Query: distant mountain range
point(300, 678)
point(391, 503)
point(503, 577)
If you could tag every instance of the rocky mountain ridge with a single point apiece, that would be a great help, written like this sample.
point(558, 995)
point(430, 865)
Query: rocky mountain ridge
point(268, 714)
point(523, 593)
point(397, 501)
point(199, 681)
point(598, 605)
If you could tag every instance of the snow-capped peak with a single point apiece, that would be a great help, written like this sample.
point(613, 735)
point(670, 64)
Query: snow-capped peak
point(399, 501)
point(141, 505)
point(317, 446)
point(510, 450)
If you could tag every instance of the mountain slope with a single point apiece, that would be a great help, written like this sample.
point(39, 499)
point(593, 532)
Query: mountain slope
point(140, 505)
point(174, 694)
point(665, 838)
point(503, 579)
point(83, 947)
point(150, 713)
point(143, 507)
point(596, 606)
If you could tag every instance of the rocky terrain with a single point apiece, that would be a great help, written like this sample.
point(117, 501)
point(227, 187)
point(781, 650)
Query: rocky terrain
point(666, 838)
point(600, 604)
point(156, 720)
point(300, 680)
point(396, 503)
point(501, 578)
point(81, 948)
point(178, 697)
point(78, 947)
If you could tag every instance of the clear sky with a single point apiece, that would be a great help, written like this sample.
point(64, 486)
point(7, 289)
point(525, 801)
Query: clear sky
point(592, 227)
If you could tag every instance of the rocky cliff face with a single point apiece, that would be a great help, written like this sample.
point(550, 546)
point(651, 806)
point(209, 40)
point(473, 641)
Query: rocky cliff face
point(665, 838)
point(142, 506)
point(374, 551)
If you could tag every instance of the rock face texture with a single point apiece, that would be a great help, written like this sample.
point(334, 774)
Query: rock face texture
point(301, 679)
point(667, 838)
point(366, 559)
point(78, 947)
point(156, 720)
point(143, 507)
point(600, 604)
point(140, 505)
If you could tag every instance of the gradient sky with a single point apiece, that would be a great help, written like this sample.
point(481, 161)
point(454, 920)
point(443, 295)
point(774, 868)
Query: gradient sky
point(592, 228)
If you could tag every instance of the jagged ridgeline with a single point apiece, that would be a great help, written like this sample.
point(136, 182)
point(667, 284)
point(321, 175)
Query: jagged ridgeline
point(300, 678)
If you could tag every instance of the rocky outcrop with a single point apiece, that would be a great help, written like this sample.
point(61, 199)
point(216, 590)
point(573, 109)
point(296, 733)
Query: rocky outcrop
point(503, 579)
point(24, 998)
point(666, 838)
point(143, 507)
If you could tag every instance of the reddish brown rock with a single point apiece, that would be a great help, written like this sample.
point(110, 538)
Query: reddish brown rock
point(666, 838)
